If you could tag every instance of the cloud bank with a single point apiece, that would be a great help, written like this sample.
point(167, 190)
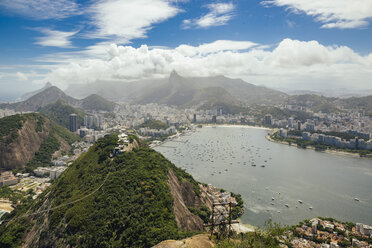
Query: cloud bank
point(292, 63)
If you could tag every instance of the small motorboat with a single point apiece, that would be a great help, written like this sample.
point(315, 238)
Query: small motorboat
point(300, 201)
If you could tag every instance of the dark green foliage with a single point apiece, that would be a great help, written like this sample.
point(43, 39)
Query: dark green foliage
point(44, 155)
point(9, 127)
point(238, 210)
point(133, 208)
point(227, 108)
point(12, 195)
point(60, 112)
point(278, 113)
point(154, 124)
point(204, 213)
point(13, 235)
point(183, 175)
point(64, 133)
point(96, 102)
point(39, 124)
point(316, 103)
point(363, 103)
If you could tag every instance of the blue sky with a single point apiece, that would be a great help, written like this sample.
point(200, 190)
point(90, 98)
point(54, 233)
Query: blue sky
point(289, 44)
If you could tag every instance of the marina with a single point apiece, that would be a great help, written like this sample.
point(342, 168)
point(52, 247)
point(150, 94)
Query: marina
point(327, 184)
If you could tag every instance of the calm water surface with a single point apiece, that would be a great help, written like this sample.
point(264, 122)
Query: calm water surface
point(223, 156)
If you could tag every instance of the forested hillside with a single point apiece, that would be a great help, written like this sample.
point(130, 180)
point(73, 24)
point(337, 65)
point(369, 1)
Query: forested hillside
point(29, 140)
point(124, 201)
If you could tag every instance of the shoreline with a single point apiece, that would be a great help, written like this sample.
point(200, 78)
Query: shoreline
point(231, 125)
point(334, 152)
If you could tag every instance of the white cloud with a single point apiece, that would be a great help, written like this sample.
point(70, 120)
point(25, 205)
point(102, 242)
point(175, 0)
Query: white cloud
point(332, 13)
point(219, 15)
point(42, 9)
point(124, 20)
point(292, 63)
point(217, 46)
point(22, 76)
point(55, 38)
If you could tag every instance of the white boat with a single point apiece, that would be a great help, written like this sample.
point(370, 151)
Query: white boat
point(286, 205)
point(310, 208)
point(272, 198)
point(356, 199)
point(300, 201)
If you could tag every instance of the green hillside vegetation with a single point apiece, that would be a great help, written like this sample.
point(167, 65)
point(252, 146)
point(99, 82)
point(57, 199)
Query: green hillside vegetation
point(133, 206)
point(64, 133)
point(226, 107)
point(96, 102)
point(316, 103)
point(154, 124)
point(12, 195)
point(52, 144)
point(261, 111)
point(60, 112)
point(212, 95)
point(44, 155)
point(9, 127)
point(364, 103)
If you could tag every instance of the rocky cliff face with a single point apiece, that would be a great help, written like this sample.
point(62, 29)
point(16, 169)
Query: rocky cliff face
point(23, 148)
point(19, 144)
point(184, 198)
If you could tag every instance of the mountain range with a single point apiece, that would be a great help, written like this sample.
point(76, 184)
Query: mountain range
point(52, 94)
point(219, 92)
point(181, 91)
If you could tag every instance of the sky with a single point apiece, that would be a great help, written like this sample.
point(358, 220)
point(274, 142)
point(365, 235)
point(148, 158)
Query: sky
point(282, 44)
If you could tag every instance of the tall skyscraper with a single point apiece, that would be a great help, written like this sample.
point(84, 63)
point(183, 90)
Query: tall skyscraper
point(91, 121)
point(268, 120)
point(73, 123)
point(86, 120)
